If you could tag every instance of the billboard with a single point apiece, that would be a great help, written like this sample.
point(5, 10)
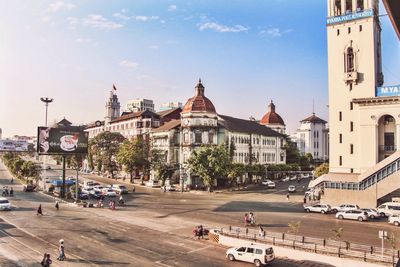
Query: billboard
point(13, 145)
point(388, 90)
point(61, 141)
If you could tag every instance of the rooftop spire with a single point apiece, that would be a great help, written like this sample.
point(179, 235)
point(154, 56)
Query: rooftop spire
point(199, 88)
point(271, 106)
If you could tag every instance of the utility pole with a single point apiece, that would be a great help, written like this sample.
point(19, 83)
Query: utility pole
point(46, 101)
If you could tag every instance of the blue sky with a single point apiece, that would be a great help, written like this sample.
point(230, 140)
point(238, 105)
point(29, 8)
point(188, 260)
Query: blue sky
point(246, 52)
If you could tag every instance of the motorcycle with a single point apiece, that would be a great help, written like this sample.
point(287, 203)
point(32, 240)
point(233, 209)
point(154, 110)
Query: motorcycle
point(199, 231)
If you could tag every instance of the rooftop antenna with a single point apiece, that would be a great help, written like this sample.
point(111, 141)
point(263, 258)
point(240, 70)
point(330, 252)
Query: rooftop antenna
point(313, 107)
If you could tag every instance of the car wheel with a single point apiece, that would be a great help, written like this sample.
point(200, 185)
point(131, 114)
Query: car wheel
point(231, 257)
point(307, 210)
point(322, 211)
point(257, 263)
point(334, 210)
point(396, 223)
point(360, 219)
point(383, 214)
point(372, 217)
point(340, 217)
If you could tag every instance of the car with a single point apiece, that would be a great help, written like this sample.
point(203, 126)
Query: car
point(372, 213)
point(291, 189)
point(120, 189)
point(265, 182)
point(29, 188)
point(293, 177)
point(389, 208)
point(345, 207)
point(254, 253)
point(109, 192)
point(394, 219)
point(170, 188)
point(358, 215)
point(305, 175)
point(70, 178)
point(152, 183)
point(95, 194)
point(98, 188)
point(322, 208)
point(270, 185)
point(286, 179)
point(4, 204)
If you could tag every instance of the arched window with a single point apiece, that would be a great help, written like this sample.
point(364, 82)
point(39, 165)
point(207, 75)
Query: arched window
point(350, 60)
point(360, 5)
point(349, 6)
point(338, 7)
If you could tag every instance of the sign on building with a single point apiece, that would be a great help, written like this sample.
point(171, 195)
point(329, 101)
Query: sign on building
point(13, 146)
point(349, 17)
point(393, 90)
point(61, 141)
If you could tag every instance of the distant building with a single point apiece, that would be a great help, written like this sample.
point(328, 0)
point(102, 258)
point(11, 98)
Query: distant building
point(170, 105)
point(140, 104)
point(0, 133)
point(273, 120)
point(312, 137)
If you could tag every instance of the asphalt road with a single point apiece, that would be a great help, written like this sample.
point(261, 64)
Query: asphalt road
point(154, 229)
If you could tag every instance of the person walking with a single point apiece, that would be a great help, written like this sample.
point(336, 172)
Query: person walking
point(57, 205)
point(246, 219)
point(11, 192)
point(287, 196)
point(61, 251)
point(261, 232)
point(39, 210)
point(46, 262)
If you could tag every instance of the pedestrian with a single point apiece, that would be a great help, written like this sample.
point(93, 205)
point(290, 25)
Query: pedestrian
point(246, 219)
point(61, 251)
point(39, 210)
point(287, 196)
point(46, 262)
point(11, 192)
point(201, 233)
point(305, 200)
point(261, 232)
point(12, 180)
point(57, 206)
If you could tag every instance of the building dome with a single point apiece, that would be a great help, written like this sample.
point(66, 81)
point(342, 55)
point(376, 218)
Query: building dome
point(271, 117)
point(199, 103)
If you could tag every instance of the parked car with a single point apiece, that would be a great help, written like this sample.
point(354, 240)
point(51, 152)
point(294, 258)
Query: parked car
point(271, 185)
point(152, 183)
point(286, 179)
point(257, 254)
point(291, 189)
point(345, 207)
point(322, 208)
point(170, 188)
point(98, 188)
point(4, 204)
point(372, 213)
point(394, 219)
point(95, 194)
point(305, 175)
point(358, 215)
point(265, 182)
point(29, 188)
point(293, 178)
point(109, 192)
point(389, 209)
point(120, 189)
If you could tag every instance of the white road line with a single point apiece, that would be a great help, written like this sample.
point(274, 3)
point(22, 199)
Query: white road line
point(162, 264)
point(199, 249)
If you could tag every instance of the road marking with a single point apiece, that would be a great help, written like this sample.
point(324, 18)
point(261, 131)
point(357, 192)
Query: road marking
point(162, 264)
point(199, 249)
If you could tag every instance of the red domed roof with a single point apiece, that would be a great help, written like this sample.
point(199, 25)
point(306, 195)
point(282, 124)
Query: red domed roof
point(199, 103)
point(271, 117)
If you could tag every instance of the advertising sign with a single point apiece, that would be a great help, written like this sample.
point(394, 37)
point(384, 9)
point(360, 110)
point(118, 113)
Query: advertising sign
point(13, 145)
point(61, 141)
point(393, 90)
point(351, 16)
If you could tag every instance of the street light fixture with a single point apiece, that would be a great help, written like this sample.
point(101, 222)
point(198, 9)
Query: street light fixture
point(46, 100)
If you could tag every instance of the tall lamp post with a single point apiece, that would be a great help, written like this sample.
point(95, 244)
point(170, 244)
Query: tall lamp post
point(46, 101)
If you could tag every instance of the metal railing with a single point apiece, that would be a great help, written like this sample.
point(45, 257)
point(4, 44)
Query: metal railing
point(341, 249)
point(384, 148)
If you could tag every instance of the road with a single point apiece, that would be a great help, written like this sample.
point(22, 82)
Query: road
point(154, 229)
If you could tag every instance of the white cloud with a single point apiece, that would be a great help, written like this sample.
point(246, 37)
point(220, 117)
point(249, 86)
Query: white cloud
point(121, 16)
point(221, 28)
point(94, 21)
point(172, 7)
point(128, 64)
point(82, 40)
point(59, 5)
point(274, 32)
point(146, 18)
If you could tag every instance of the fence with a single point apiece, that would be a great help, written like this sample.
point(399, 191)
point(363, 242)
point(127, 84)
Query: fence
point(337, 248)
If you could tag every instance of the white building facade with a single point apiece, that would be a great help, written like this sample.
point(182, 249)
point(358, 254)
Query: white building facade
point(140, 104)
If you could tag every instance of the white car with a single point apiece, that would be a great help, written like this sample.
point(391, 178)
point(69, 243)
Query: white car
point(291, 189)
point(345, 207)
point(294, 177)
point(389, 209)
point(265, 182)
point(109, 192)
point(394, 219)
point(4, 204)
point(152, 183)
point(120, 189)
point(372, 213)
point(257, 254)
point(170, 188)
point(321, 208)
point(286, 179)
point(271, 185)
point(358, 215)
point(98, 188)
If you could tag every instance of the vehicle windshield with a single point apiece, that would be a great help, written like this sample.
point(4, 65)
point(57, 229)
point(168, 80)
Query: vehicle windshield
point(269, 251)
point(4, 201)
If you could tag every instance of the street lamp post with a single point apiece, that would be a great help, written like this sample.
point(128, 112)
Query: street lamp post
point(46, 101)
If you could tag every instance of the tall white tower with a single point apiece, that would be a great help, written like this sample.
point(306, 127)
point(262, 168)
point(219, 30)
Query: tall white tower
point(112, 106)
point(354, 69)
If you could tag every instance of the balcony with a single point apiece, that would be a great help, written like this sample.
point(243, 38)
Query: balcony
point(387, 149)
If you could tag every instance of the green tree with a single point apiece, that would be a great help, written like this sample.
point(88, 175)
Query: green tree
point(209, 162)
point(104, 148)
point(163, 170)
point(292, 152)
point(31, 170)
point(236, 170)
point(133, 156)
point(294, 227)
point(337, 233)
point(322, 169)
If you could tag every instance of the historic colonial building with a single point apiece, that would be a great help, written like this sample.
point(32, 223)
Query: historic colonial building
point(312, 137)
point(364, 115)
point(200, 124)
point(273, 120)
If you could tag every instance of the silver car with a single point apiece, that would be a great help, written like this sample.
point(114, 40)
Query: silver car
point(321, 208)
point(372, 213)
point(358, 215)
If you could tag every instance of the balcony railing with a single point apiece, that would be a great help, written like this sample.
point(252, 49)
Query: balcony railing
point(391, 149)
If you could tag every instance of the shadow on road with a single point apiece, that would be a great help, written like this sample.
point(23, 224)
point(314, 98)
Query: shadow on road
point(251, 206)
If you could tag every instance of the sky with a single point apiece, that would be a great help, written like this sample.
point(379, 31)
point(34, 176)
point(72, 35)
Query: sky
point(246, 53)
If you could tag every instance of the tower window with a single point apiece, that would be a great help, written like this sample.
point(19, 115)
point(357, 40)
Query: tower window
point(349, 29)
point(340, 161)
point(351, 105)
point(360, 5)
point(350, 60)
point(338, 7)
point(338, 32)
point(340, 138)
point(351, 148)
point(351, 126)
point(340, 116)
point(360, 28)
point(349, 6)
